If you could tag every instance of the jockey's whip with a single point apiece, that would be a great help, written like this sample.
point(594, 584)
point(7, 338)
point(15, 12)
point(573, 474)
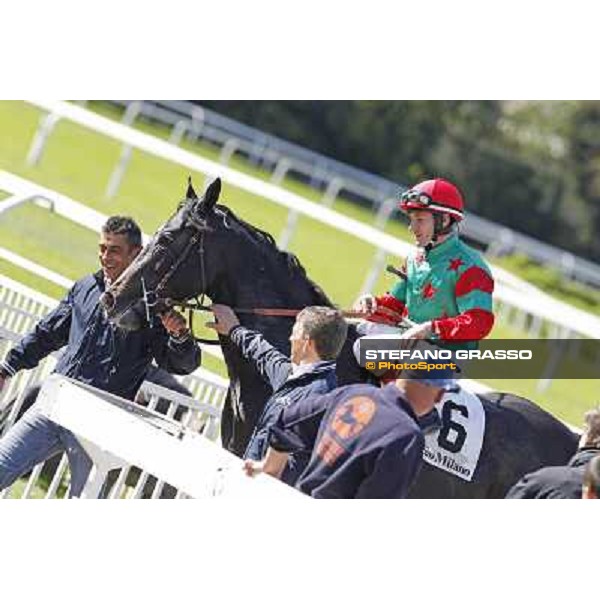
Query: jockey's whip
point(391, 269)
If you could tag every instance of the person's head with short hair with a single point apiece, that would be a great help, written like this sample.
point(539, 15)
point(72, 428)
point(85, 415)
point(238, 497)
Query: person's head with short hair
point(120, 242)
point(591, 480)
point(318, 334)
point(591, 429)
point(424, 388)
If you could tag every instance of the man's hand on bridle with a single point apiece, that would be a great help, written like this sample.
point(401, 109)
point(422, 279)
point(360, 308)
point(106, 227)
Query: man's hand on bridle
point(225, 319)
point(174, 323)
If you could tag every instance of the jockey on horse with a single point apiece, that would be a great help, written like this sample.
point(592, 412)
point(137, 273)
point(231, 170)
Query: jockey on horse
point(446, 286)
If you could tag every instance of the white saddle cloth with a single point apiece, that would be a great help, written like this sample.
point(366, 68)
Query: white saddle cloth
point(456, 447)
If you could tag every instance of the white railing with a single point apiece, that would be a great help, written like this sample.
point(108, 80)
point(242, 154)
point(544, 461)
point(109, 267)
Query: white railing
point(566, 320)
point(117, 434)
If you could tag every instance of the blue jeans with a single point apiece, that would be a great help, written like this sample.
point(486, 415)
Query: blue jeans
point(34, 439)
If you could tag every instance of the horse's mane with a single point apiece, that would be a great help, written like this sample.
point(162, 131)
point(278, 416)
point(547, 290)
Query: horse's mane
point(264, 238)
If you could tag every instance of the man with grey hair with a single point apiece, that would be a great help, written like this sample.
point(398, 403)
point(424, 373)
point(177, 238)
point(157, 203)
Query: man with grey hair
point(316, 340)
point(365, 441)
point(564, 481)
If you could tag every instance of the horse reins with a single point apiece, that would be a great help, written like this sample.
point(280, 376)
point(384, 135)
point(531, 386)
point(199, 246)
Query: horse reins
point(265, 312)
point(151, 296)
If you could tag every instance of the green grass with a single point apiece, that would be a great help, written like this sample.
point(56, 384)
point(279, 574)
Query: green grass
point(551, 281)
point(568, 399)
point(37, 492)
point(43, 237)
point(40, 284)
point(78, 163)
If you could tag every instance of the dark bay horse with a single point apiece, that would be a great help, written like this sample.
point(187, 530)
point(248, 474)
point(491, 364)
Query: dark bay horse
point(205, 249)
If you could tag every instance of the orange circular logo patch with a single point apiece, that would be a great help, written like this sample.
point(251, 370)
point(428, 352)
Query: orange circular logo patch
point(353, 416)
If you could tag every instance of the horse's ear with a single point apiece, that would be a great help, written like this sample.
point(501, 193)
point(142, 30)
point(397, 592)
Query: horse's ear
point(211, 196)
point(191, 192)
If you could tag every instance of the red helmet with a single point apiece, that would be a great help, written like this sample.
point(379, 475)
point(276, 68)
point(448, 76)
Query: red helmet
point(436, 196)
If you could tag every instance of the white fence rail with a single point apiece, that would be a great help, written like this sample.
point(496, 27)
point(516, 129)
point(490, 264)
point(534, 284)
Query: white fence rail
point(117, 434)
point(20, 309)
point(566, 320)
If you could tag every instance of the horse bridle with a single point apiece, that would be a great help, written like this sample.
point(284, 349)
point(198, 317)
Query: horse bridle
point(150, 298)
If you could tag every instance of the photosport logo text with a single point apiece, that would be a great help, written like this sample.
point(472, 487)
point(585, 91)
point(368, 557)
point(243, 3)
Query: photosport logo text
point(488, 359)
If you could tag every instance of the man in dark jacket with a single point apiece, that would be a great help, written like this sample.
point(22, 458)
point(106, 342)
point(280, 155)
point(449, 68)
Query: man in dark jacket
point(95, 352)
point(565, 481)
point(317, 338)
point(367, 442)
point(591, 480)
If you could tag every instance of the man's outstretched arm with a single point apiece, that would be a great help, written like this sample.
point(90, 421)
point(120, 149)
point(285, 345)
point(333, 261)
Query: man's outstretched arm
point(273, 366)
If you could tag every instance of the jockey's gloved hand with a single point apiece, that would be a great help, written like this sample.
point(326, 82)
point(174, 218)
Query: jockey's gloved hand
point(420, 331)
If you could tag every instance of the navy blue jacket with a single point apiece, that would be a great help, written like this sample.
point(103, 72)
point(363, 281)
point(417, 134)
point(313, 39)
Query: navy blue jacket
point(555, 483)
point(366, 442)
point(97, 352)
point(276, 369)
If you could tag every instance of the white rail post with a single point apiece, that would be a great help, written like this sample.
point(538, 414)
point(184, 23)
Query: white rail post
point(536, 327)
point(283, 166)
point(256, 151)
point(40, 138)
point(317, 174)
point(197, 123)
point(557, 354)
point(103, 462)
point(331, 192)
point(228, 150)
point(178, 132)
point(116, 177)
point(288, 231)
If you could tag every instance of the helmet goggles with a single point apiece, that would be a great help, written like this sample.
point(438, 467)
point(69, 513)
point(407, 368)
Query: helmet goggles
point(418, 200)
point(415, 197)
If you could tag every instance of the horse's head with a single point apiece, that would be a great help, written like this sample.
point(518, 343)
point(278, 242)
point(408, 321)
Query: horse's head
point(172, 267)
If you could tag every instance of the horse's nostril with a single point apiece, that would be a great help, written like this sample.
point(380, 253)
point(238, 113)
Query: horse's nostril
point(107, 300)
